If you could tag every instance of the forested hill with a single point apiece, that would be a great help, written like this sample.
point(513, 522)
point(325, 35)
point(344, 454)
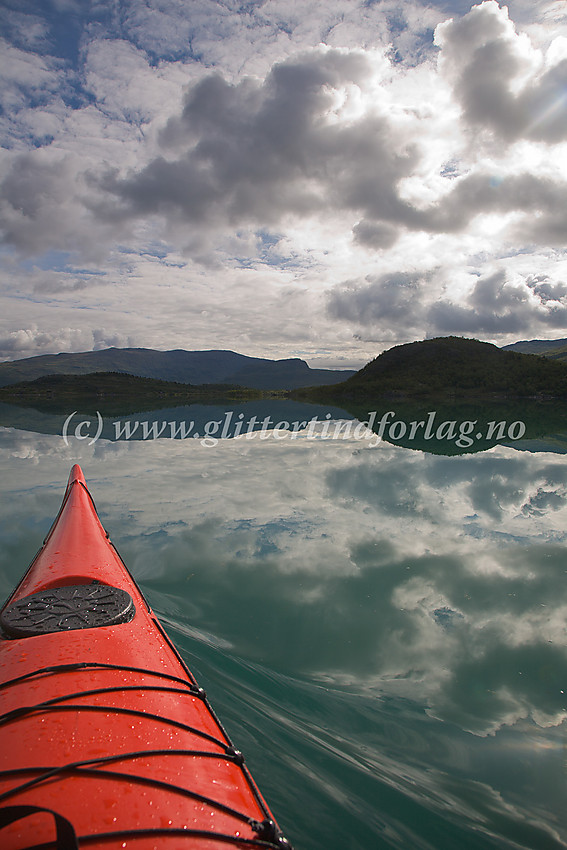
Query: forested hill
point(188, 367)
point(453, 366)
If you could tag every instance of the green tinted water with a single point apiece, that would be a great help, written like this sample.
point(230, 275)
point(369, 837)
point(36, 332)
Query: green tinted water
point(381, 630)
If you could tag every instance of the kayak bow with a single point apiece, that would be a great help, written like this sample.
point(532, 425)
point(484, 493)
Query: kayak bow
point(106, 739)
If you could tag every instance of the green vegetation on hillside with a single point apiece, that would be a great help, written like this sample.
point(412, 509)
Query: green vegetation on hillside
point(450, 367)
point(442, 368)
point(115, 392)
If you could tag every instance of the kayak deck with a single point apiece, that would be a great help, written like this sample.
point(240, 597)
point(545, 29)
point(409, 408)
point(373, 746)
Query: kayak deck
point(106, 739)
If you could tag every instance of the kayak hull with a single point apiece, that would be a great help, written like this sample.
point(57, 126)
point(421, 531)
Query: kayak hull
point(104, 732)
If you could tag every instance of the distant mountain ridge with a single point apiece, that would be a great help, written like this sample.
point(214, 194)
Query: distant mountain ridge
point(554, 349)
point(188, 367)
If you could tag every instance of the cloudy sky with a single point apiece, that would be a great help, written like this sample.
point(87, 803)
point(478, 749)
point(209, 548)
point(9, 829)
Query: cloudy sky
point(281, 178)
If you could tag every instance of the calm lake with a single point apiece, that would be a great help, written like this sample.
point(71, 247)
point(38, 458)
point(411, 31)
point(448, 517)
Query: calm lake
point(381, 628)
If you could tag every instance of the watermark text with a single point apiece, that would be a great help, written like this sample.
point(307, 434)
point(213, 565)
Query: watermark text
point(233, 425)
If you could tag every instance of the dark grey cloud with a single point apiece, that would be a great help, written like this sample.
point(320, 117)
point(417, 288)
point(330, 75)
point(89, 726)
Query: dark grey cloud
point(410, 301)
point(375, 234)
point(261, 153)
point(486, 62)
point(496, 306)
point(29, 195)
point(542, 199)
point(546, 290)
point(257, 152)
point(389, 299)
point(42, 207)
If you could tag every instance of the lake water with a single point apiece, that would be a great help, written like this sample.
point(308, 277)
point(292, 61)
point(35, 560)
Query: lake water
point(381, 628)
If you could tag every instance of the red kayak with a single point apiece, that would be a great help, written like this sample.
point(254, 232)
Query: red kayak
point(106, 739)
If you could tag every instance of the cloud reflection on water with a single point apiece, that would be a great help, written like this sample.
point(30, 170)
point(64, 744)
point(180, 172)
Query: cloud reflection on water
point(440, 579)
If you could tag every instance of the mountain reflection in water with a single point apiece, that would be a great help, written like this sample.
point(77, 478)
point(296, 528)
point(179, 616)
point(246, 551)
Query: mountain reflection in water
point(449, 429)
